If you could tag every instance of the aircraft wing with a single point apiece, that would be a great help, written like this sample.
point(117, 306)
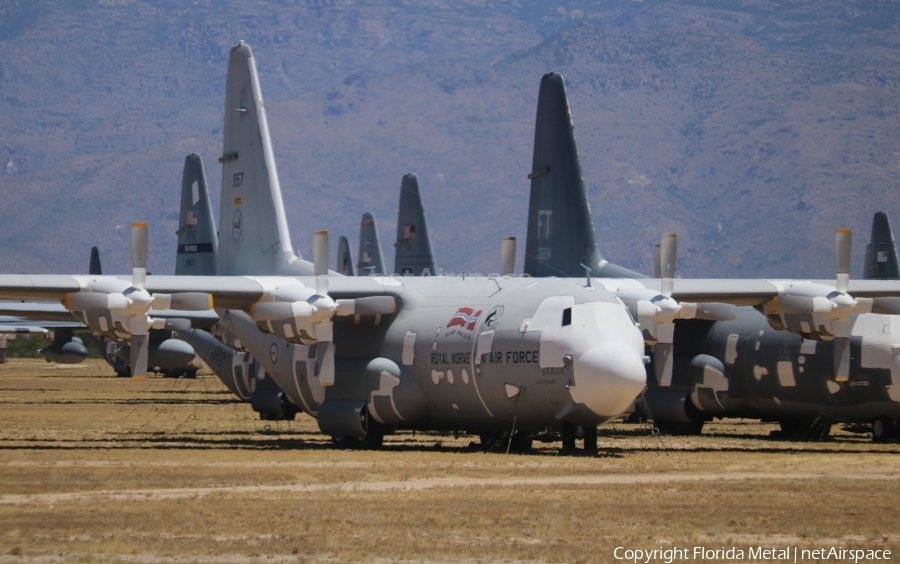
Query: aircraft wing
point(36, 310)
point(240, 292)
point(55, 316)
point(732, 291)
point(17, 327)
point(228, 292)
point(747, 292)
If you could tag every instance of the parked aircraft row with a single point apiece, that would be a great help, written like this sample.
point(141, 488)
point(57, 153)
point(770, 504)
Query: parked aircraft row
point(511, 357)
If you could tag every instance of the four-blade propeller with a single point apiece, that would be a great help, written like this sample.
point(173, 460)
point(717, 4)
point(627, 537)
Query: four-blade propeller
point(822, 312)
point(125, 314)
point(305, 316)
point(308, 318)
point(656, 312)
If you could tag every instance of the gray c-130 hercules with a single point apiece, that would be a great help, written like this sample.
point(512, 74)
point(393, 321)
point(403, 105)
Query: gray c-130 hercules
point(456, 353)
point(260, 357)
point(722, 367)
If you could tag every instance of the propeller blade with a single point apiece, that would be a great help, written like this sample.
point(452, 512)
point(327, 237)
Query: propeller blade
point(841, 359)
point(662, 363)
point(508, 256)
point(668, 249)
point(138, 357)
point(324, 331)
point(139, 238)
point(843, 239)
point(320, 261)
point(325, 364)
point(139, 327)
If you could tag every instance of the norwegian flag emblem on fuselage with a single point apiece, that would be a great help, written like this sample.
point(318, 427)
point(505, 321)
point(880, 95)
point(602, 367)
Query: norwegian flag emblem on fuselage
point(465, 317)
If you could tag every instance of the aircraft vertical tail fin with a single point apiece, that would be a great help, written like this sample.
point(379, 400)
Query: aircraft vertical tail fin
point(370, 257)
point(344, 260)
point(560, 229)
point(414, 255)
point(253, 231)
point(197, 239)
point(94, 267)
point(881, 253)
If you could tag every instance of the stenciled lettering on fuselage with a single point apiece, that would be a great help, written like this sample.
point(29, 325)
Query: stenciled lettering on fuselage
point(494, 357)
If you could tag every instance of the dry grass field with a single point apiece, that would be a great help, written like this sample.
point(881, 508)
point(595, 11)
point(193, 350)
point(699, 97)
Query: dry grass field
point(99, 469)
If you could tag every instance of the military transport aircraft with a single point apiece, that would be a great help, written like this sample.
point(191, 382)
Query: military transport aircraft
point(717, 366)
point(240, 370)
point(268, 371)
point(454, 353)
point(168, 356)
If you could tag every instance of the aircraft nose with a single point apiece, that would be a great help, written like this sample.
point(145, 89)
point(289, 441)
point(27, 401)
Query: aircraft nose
point(607, 378)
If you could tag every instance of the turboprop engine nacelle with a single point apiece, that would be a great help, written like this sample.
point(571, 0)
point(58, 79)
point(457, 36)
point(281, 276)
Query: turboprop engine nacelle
point(169, 353)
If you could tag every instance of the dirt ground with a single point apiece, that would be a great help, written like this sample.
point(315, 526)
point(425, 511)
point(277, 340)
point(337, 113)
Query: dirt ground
point(99, 469)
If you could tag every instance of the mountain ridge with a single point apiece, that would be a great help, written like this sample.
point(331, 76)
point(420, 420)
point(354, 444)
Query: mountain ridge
point(752, 130)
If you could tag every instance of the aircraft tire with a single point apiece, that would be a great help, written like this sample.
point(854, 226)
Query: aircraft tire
point(590, 439)
point(883, 430)
point(521, 442)
point(693, 427)
point(342, 442)
point(569, 432)
point(374, 438)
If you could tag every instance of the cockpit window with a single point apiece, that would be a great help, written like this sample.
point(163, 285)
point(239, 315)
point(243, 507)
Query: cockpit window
point(567, 317)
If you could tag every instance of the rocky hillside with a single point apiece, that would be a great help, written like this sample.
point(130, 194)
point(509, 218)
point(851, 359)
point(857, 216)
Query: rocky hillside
point(752, 128)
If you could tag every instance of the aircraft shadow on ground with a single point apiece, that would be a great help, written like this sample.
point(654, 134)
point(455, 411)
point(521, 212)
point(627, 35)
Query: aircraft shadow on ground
point(252, 440)
point(142, 401)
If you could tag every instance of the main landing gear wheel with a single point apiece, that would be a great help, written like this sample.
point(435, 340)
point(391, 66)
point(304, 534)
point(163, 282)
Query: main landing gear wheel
point(883, 430)
point(521, 442)
point(693, 426)
point(570, 434)
point(373, 439)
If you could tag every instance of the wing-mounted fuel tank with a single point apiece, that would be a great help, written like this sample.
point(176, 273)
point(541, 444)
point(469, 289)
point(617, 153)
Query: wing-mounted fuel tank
point(164, 353)
point(65, 348)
